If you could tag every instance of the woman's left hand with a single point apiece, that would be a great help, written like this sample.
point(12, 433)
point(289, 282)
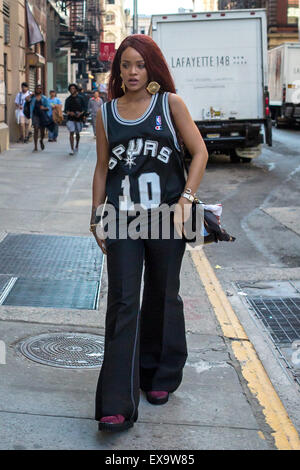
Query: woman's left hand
point(181, 214)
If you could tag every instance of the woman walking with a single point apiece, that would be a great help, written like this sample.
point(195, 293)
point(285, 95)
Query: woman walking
point(40, 115)
point(139, 161)
point(94, 105)
point(55, 111)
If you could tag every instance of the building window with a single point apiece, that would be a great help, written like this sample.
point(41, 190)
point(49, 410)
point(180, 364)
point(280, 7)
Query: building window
point(32, 78)
point(110, 18)
point(6, 33)
point(110, 2)
point(6, 14)
point(6, 9)
point(293, 12)
point(5, 87)
point(110, 37)
point(62, 71)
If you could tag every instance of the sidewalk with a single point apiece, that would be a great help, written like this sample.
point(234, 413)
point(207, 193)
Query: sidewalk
point(44, 407)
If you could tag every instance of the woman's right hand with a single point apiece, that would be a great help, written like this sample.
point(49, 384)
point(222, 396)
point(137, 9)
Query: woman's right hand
point(100, 241)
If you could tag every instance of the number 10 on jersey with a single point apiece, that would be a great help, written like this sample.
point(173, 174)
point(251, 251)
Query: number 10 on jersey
point(149, 192)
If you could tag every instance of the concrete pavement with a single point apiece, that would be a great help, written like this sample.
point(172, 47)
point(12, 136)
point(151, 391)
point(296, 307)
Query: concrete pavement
point(43, 407)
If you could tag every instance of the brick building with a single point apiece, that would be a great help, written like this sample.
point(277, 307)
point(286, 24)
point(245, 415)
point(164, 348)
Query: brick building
point(18, 61)
point(283, 17)
point(12, 64)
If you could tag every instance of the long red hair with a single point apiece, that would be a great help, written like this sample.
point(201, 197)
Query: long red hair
point(156, 65)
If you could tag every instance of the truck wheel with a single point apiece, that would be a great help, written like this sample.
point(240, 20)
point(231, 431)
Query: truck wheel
point(234, 158)
point(246, 160)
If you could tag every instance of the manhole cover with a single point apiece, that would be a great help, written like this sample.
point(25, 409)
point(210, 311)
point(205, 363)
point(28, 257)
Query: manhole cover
point(68, 350)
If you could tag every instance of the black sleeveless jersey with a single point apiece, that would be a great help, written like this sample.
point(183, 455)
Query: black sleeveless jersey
point(145, 163)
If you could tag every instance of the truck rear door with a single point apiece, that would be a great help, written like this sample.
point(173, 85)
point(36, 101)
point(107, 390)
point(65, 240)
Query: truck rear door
point(217, 65)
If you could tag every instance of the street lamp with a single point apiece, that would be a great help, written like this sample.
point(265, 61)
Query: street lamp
point(135, 17)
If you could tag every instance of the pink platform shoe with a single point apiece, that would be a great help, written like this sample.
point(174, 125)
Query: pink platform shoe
point(157, 397)
point(116, 423)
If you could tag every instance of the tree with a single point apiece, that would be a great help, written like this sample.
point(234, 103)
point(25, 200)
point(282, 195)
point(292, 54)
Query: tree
point(240, 4)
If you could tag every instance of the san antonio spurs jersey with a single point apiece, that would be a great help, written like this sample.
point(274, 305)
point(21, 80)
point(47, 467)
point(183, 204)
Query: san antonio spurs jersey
point(145, 165)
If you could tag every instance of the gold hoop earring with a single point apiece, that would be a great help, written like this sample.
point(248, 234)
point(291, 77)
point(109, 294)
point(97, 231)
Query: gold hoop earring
point(153, 88)
point(123, 87)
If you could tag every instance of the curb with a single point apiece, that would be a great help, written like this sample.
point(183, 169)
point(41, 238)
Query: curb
point(284, 433)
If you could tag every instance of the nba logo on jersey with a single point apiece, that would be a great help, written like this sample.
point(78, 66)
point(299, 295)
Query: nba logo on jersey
point(158, 123)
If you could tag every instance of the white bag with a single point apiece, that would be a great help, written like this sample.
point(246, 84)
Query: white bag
point(18, 115)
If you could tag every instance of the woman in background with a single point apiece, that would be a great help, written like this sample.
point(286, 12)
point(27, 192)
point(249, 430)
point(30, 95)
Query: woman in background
point(54, 104)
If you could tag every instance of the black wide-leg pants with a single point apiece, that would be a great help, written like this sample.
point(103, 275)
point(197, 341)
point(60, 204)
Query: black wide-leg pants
point(145, 346)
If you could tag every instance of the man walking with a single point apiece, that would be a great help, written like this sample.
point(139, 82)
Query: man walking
point(75, 109)
point(82, 93)
point(22, 120)
point(40, 115)
point(95, 104)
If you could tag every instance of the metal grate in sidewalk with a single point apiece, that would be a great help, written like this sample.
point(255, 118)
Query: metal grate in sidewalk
point(50, 257)
point(53, 293)
point(281, 316)
point(50, 271)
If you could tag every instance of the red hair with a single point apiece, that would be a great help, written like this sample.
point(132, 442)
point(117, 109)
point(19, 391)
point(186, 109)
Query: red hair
point(156, 65)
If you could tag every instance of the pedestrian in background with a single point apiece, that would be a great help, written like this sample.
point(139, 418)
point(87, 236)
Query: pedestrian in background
point(40, 115)
point(94, 105)
point(82, 94)
point(55, 105)
point(102, 88)
point(75, 109)
point(22, 121)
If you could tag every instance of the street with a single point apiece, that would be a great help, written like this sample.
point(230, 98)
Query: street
point(218, 405)
point(261, 208)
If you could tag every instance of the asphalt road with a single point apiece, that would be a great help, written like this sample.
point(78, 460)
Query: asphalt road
point(261, 208)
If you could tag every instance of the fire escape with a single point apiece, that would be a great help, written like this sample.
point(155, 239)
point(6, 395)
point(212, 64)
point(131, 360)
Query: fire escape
point(84, 31)
point(92, 27)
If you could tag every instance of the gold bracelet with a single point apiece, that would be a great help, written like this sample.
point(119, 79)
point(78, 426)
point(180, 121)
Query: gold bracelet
point(91, 227)
point(188, 191)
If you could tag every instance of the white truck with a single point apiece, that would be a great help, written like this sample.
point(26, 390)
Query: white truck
point(219, 63)
point(284, 84)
